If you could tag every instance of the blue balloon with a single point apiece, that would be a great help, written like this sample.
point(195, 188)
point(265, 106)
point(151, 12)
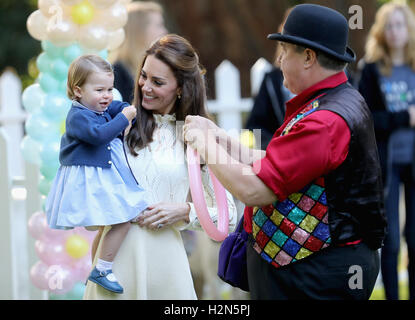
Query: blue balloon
point(63, 88)
point(49, 171)
point(39, 128)
point(76, 293)
point(49, 153)
point(33, 97)
point(30, 150)
point(48, 82)
point(71, 53)
point(103, 54)
point(52, 50)
point(59, 69)
point(44, 62)
point(56, 106)
point(44, 186)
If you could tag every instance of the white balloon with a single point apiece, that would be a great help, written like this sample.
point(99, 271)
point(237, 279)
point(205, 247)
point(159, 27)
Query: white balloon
point(116, 38)
point(101, 4)
point(47, 6)
point(93, 37)
point(36, 25)
point(62, 32)
point(113, 18)
point(71, 2)
point(116, 95)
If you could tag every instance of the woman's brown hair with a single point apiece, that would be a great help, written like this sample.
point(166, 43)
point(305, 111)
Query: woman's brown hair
point(177, 53)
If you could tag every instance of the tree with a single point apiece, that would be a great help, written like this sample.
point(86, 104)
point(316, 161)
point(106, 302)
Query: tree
point(17, 47)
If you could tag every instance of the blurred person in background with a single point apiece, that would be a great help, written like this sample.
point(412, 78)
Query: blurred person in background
point(145, 24)
point(388, 85)
point(268, 111)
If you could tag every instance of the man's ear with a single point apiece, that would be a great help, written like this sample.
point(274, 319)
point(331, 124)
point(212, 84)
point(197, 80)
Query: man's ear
point(77, 91)
point(310, 57)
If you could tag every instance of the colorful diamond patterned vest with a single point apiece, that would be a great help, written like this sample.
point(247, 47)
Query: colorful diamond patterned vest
point(293, 229)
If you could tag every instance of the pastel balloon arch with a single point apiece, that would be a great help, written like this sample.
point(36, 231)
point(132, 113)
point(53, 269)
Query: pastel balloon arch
point(67, 29)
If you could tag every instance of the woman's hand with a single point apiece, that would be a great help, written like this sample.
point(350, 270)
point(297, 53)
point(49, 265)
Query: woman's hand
point(163, 214)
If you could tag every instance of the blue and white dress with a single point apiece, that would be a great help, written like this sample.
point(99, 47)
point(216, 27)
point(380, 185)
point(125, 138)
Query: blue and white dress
point(93, 196)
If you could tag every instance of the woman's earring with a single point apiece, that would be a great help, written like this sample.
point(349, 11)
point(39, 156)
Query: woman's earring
point(179, 96)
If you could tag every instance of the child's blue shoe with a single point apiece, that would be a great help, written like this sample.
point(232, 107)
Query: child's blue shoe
point(105, 279)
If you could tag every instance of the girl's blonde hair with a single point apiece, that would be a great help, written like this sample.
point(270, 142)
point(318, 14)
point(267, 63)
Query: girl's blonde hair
point(376, 46)
point(81, 68)
point(132, 50)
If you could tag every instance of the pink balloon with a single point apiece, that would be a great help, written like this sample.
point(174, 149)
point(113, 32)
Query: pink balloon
point(89, 235)
point(37, 224)
point(52, 252)
point(37, 275)
point(196, 190)
point(82, 268)
point(54, 234)
point(60, 279)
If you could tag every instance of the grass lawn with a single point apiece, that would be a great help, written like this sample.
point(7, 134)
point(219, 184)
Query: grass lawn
point(379, 294)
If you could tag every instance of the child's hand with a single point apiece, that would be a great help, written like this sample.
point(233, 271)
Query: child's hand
point(130, 112)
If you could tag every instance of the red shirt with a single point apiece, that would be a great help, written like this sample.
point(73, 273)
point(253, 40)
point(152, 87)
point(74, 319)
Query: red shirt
point(315, 146)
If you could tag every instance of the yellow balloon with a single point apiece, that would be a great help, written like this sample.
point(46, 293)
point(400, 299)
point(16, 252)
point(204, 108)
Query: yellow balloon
point(82, 13)
point(62, 127)
point(76, 246)
point(247, 138)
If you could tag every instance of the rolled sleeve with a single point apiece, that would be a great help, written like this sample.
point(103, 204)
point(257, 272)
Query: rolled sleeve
point(315, 146)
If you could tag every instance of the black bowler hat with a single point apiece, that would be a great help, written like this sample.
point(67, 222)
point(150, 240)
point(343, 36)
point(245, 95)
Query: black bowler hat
point(317, 27)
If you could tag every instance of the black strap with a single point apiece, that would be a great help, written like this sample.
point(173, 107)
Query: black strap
point(274, 100)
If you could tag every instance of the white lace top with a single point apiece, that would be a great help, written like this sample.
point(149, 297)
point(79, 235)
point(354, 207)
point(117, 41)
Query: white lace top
point(161, 169)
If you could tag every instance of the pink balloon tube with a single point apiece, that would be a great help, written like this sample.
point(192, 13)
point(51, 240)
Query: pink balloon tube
point(196, 189)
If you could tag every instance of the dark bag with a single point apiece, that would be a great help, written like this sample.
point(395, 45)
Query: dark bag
point(232, 267)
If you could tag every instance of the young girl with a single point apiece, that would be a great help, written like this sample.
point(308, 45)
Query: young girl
point(94, 185)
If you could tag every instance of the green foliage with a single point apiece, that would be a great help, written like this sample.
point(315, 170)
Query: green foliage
point(17, 47)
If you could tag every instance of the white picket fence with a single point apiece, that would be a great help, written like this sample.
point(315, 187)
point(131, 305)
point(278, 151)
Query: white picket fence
point(19, 195)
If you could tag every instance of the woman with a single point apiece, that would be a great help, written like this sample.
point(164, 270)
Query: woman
point(145, 24)
point(388, 86)
point(152, 262)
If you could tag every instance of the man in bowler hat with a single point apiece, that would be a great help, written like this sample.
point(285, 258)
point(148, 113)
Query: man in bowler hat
point(315, 212)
